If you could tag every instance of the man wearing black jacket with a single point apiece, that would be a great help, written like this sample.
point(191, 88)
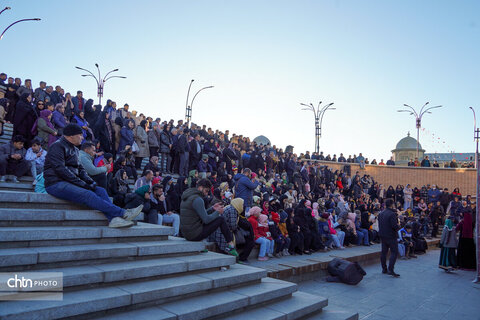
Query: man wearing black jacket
point(183, 149)
point(195, 152)
point(65, 178)
point(388, 228)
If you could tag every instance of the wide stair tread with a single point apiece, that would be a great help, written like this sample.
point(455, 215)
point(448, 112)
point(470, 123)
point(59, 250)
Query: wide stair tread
point(128, 270)
point(38, 255)
point(214, 304)
point(10, 234)
point(84, 302)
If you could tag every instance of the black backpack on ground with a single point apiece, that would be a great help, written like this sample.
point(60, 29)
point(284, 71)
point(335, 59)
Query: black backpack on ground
point(345, 271)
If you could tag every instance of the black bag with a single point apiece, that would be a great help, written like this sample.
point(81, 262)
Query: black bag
point(240, 235)
point(421, 245)
point(345, 271)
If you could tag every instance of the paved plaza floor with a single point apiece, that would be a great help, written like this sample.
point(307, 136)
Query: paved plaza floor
point(423, 291)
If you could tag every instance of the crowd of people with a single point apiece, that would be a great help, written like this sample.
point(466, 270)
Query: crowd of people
point(210, 184)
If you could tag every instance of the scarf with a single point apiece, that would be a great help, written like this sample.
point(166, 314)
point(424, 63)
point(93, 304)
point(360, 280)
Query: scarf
point(122, 184)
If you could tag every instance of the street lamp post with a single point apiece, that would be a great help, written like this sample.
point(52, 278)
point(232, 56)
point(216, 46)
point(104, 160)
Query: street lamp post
point(18, 21)
point(99, 80)
point(188, 108)
point(476, 137)
point(418, 119)
point(318, 114)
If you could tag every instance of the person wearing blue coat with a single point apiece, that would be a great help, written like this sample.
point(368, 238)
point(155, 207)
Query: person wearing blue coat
point(244, 187)
point(126, 135)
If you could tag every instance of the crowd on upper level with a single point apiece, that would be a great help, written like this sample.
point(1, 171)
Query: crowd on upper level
point(206, 183)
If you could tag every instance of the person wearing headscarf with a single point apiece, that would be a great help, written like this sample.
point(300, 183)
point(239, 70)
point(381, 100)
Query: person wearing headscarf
point(300, 220)
point(58, 118)
point(448, 243)
point(89, 111)
point(192, 178)
point(141, 138)
point(79, 118)
point(24, 118)
point(231, 214)
point(46, 132)
point(174, 194)
point(139, 197)
point(118, 188)
point(261, 233)
point(466, 245)
point(104, 132)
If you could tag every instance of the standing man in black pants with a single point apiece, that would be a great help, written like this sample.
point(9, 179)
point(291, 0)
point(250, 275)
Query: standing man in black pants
point(388, 228)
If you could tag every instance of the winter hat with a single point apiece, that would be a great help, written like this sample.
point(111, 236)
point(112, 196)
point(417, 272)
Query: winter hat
point(72, 130)
point(254, 211)
point(275, 217)
point(237, 203)
point(263, 220)
point(325, 215)
point(204, 156)
point(142, 190)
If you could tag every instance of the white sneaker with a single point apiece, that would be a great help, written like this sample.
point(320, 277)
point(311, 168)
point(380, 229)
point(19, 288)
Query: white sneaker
point(120, 223)
point(270, 255)
point(131, 214)
point(3, 179)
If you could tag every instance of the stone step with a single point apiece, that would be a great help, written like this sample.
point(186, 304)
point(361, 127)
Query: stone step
point(327, 314)
point(19, 186)
point(102, 274)
point(24, 237)
point(90, 302)
point(213, 304)
point(298, 306)
point(32, 200)
point(45, 257)
point(10, 217)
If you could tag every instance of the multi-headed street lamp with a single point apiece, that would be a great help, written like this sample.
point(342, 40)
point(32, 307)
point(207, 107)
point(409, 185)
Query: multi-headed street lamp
point(99, 80)
point(318, 114)
point(418, 118)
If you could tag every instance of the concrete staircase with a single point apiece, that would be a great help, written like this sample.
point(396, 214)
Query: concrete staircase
point(137, 273)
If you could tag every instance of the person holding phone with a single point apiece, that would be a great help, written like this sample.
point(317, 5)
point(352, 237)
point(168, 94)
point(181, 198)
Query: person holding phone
point(197, 223)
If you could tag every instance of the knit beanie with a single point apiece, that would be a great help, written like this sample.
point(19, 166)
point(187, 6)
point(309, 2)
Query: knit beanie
point(262, 220)
point(254, 211)
point(142, 190)
point(72, 130)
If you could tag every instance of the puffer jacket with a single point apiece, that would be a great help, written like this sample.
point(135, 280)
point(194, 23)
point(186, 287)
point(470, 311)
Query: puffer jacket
point(62, 164)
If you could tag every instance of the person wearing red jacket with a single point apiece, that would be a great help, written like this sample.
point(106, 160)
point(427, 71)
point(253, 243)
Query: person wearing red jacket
point(261, 233)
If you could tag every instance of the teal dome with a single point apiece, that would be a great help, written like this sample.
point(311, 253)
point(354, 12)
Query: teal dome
point(407, 143)
point(262, 140)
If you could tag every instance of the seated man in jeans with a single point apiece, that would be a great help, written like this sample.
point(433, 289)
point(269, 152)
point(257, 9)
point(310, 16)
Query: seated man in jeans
point(66, 179)
point(196, 223)
point(12, 159)
point(162, 210)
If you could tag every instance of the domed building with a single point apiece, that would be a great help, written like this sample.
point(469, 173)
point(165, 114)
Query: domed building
point(406, 149)
point(262, 140)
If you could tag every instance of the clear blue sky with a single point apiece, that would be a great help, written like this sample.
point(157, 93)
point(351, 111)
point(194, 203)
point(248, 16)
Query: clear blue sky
point(264, 58)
